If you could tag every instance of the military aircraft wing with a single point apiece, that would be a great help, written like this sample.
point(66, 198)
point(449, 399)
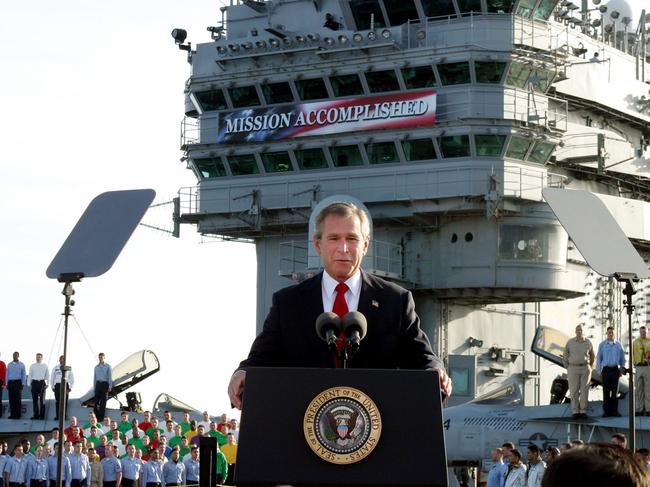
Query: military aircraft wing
point(133, 369)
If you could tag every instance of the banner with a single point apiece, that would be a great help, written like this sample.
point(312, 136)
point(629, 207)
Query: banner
point(401, 110)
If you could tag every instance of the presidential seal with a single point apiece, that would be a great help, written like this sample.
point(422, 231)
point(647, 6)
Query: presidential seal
point(342, 425)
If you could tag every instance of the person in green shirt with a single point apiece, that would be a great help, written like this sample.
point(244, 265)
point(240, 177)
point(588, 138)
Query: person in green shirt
point(92, 421)
point(40, 441)
point(222, 467)
point(215, 433)
point(185, 424)
point(185, 447)
point(94, 437)
point(136, 439)
point(176, 440)
point(124, 425)
point(155, 426)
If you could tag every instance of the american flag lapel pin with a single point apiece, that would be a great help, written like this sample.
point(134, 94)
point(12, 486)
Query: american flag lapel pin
point(375, 304)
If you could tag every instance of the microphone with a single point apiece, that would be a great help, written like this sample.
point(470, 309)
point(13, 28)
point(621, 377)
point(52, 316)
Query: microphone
point(355, 327)
point(328, 326)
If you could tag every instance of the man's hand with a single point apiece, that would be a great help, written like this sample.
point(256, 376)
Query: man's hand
point(236, 388)
point(445, 383)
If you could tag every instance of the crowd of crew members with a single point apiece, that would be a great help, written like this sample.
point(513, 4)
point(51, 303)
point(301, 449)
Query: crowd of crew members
point(569, 464)
point(154, 452)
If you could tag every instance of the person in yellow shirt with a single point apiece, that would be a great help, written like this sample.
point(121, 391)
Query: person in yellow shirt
point(230, 451)
point(641, 359)
point(192, 431)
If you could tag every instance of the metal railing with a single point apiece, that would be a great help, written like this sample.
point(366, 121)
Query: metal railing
point(190, 131)
point(384, 258)
point(293, 257)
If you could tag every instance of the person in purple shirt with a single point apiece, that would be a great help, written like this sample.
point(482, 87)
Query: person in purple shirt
point(196, 439)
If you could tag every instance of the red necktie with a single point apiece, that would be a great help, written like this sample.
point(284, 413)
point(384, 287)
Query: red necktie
point(340, 305)
point(340, 308)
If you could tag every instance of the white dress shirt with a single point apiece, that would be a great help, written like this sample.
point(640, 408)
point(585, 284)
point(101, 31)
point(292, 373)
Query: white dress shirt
point(38, 371)
point(351, 295)
point(56, 376)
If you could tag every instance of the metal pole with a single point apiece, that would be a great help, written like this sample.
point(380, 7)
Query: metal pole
point(629, 292)
point(68, 292)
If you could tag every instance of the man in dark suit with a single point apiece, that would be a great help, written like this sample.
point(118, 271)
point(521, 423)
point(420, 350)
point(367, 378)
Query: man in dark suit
point(394, 338)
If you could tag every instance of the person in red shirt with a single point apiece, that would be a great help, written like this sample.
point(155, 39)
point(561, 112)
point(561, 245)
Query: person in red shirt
point(73, 424)
point(3, 382)
point(223, 422)
point(75, 435)
point(146, 421)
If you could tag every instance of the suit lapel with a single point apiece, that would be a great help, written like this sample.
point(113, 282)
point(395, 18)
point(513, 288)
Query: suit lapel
point(314, 296)
point(368, 303)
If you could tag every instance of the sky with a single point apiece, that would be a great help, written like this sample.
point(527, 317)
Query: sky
point(91, 100)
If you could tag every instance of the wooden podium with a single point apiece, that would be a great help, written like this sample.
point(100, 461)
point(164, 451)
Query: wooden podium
point(282, 405)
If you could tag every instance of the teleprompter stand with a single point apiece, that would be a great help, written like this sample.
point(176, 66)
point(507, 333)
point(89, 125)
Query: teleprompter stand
point(273, 448)
point(608, 252)
point(89, 251)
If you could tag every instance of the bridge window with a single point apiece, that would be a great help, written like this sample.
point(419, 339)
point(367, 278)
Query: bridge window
point(346, 85)
point(277, 93)
point(243, 164)
point(489, 71)
point(500, 6)
point(210, 167)
point(381, 81)
point(400, 11)
point(365, 10)
point(489, 145)
point(518, 147)
point(346, 155)
point(418, 149)
point(244, 96)
point(541, 243)
point(518, 75)
point(468, 6)
point(311, 89)
point(381, 153)
point(455, 146)
point(545, 9)
point(438, 8)
point(454, 73)
point(310, 158)
point(277, 162)
point(419, 77)
point(211, 100)
point(541, 152)
point(526, 8)
point(541, 79)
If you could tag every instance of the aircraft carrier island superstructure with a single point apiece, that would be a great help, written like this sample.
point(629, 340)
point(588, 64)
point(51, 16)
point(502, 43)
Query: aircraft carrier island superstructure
point(446, 119)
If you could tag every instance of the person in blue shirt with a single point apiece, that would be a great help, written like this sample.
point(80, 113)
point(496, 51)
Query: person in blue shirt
point(16, 380)
point(37, 471)
point(3, 461)
point(497, 474)
point(131, 468)
point(609, 361)
point(192, 467)
point(174, 469)
point(79, 467)
point(152, 475)
point(16, 469)
point(103, 380)
point(112, 468)
point(66, 471)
